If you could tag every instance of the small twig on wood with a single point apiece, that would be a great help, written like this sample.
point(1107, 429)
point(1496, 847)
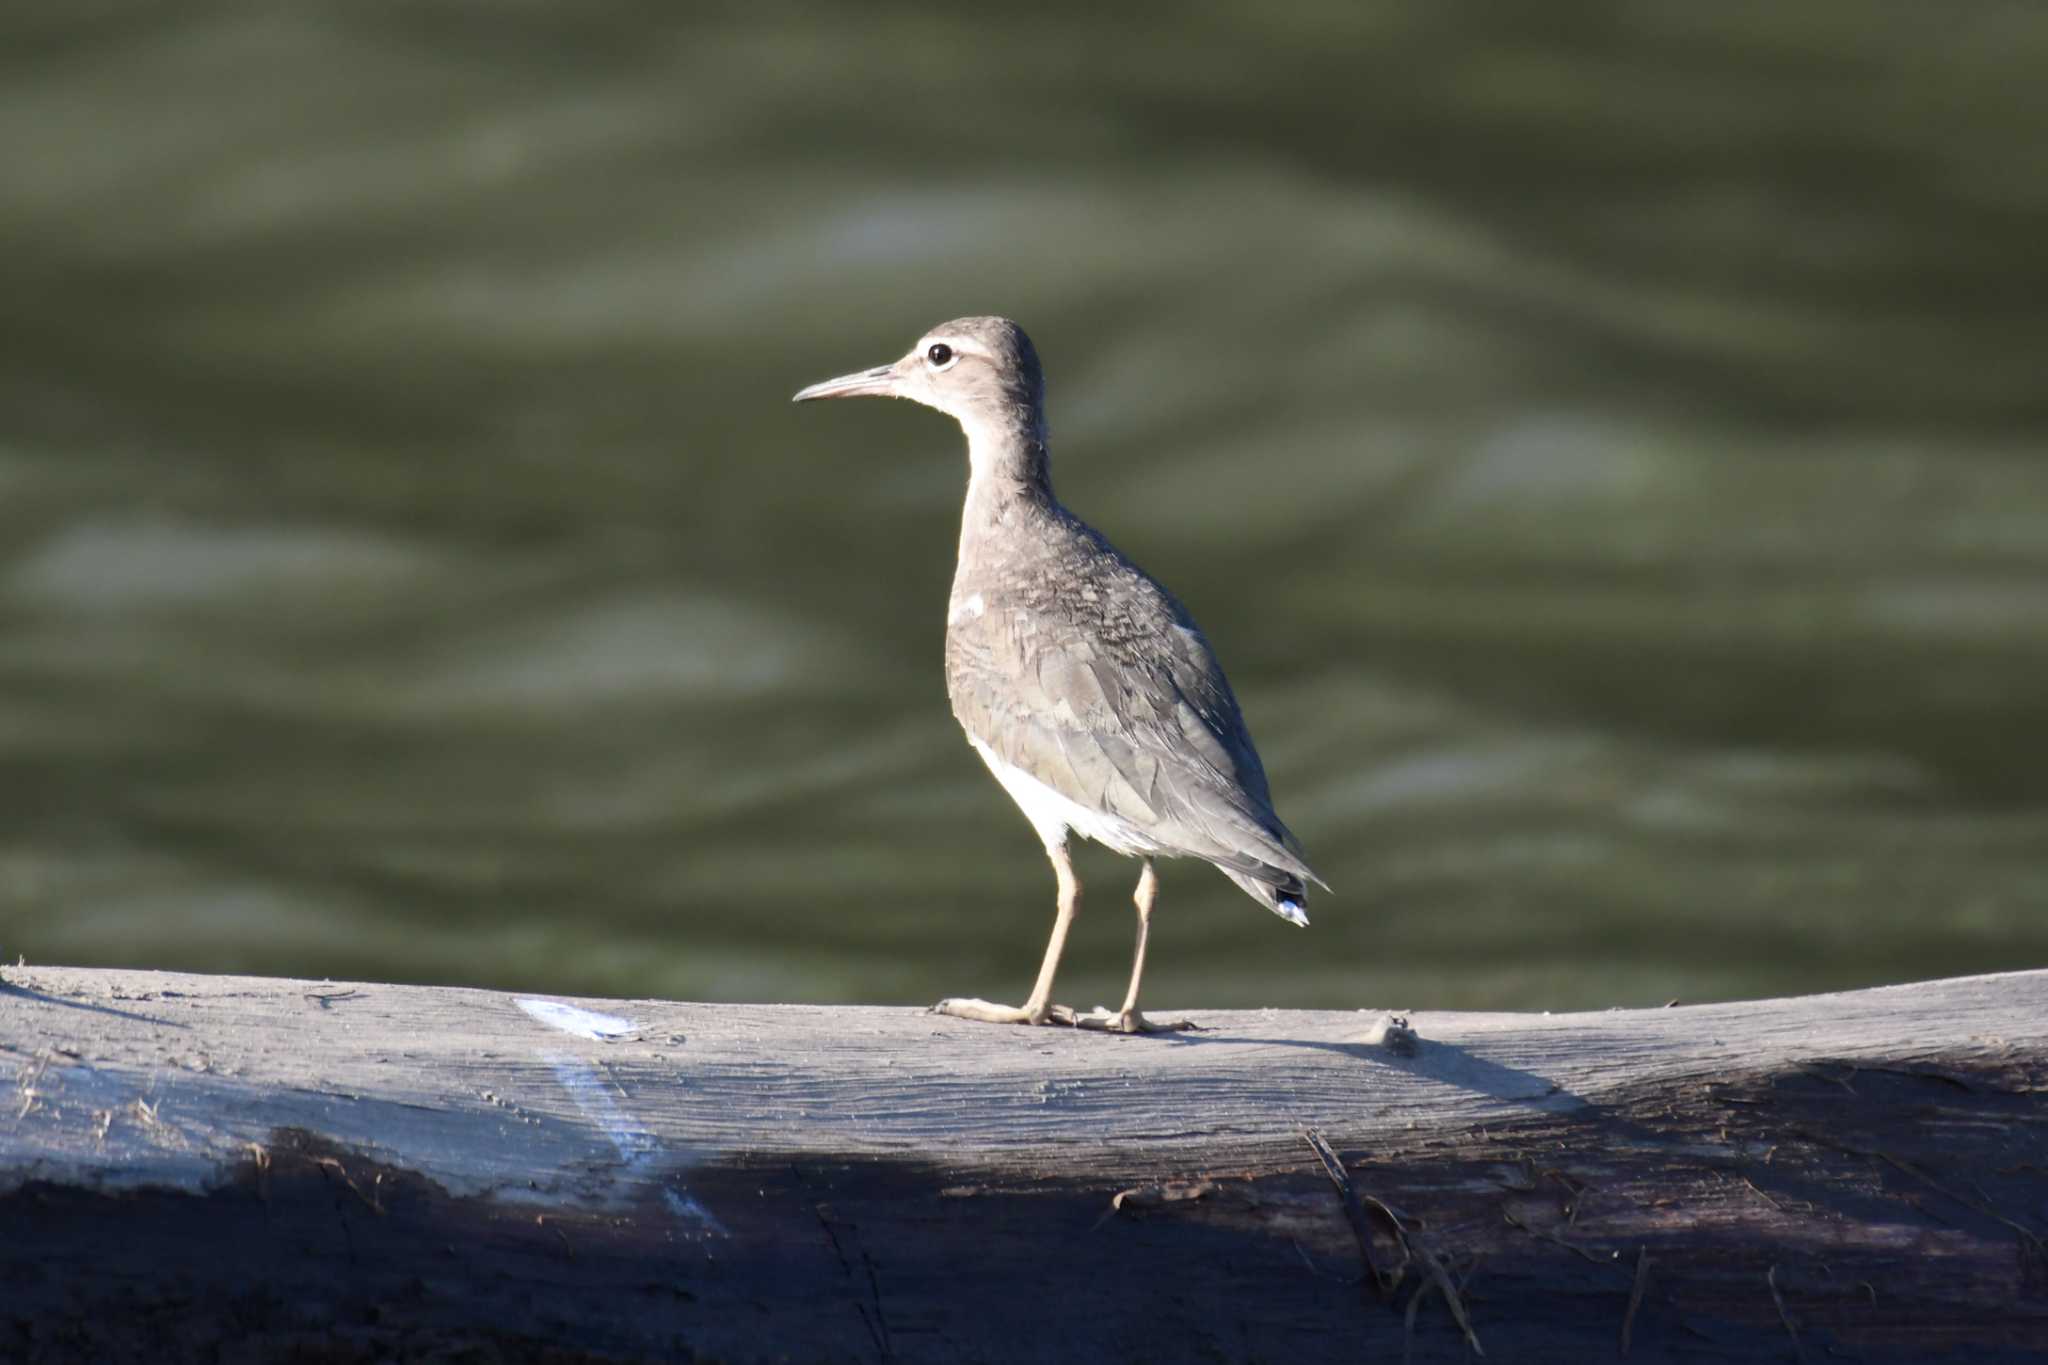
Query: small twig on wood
point(326, 998)
point(1434, 1277)
point(1156, 1196)
point(1635, 1297)
point(1451, 1297)
point(1771, 1279)
point(371, 1200)
point(1354, 1212)
point(1144, 1197)
point(1758, 1192)
point(1440, 1281)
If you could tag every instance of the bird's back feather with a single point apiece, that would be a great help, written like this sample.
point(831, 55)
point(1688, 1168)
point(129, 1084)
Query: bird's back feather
point(1079, 670)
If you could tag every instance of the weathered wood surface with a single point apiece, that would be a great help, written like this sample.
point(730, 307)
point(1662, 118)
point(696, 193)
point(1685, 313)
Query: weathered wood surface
point(228, 1168)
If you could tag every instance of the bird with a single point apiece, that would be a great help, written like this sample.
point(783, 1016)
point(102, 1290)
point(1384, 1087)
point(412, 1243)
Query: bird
point(1083, 684)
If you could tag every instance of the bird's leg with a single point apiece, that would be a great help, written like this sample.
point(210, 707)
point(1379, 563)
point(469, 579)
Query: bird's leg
point(1128, 1019)
point(1039, 1009)
point(1148, 889)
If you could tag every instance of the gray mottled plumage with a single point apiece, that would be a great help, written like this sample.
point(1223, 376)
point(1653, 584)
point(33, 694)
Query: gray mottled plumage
point(1085, 673)
point(1087, 687)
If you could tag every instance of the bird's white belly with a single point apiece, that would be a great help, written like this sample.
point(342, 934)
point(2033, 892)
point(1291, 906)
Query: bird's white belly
point(1052, 814)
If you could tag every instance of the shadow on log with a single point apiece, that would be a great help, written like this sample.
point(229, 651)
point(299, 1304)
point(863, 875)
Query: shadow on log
point(205, 1168)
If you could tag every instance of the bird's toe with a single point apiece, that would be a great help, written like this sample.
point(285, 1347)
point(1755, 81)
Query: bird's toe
point(986, 1012)
point(1130, 1021)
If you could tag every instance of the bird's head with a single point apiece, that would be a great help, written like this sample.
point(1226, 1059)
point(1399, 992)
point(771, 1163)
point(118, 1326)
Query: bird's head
point(982, 372)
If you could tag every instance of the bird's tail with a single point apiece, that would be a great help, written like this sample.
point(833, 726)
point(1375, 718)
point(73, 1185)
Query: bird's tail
point(1280, 891)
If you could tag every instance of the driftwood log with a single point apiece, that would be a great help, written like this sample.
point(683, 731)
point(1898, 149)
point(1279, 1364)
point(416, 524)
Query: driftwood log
point(218, 1168)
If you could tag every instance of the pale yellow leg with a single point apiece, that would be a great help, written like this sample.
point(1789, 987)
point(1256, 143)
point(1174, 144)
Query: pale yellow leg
point(1128, 1019)
point(1039, 1009)
point(1148, 888)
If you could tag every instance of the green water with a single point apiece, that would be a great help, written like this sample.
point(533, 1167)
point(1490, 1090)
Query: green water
point(1608, 447)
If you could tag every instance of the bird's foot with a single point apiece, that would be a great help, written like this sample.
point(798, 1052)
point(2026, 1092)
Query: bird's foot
point(988, 1013)
point(1100, 1019)
point(1130, 1021)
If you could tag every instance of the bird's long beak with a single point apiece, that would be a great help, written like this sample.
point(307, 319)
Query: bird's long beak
point(879, 382)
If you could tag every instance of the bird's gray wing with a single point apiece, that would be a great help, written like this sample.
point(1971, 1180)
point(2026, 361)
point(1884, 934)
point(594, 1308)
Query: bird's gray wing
point(1130, 716)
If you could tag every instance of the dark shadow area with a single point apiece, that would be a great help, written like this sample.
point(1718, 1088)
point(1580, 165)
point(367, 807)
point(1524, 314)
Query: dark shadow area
point(1448, 1063)
point(1820, 1227)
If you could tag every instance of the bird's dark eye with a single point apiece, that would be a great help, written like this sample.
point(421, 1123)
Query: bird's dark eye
point(939, 354)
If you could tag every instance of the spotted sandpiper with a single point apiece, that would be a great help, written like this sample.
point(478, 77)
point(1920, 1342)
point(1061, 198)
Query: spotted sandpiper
point(1083, 684)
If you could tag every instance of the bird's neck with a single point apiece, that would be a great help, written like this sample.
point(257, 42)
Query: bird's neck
point(1009, 479)
point(1006, 451)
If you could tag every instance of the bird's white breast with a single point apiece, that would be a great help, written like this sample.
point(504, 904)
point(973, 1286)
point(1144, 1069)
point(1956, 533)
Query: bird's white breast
point(1052, 814)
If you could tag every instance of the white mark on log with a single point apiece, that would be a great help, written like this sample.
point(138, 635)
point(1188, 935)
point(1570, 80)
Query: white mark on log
point(639, 1150)
point(684, 1205)
point(636, 1146)
point(581, 1022)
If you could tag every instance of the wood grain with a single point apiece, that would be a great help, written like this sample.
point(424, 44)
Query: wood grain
point(209, 1164)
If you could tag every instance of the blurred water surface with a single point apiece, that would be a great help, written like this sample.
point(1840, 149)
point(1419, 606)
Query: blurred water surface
point(1606, 445)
